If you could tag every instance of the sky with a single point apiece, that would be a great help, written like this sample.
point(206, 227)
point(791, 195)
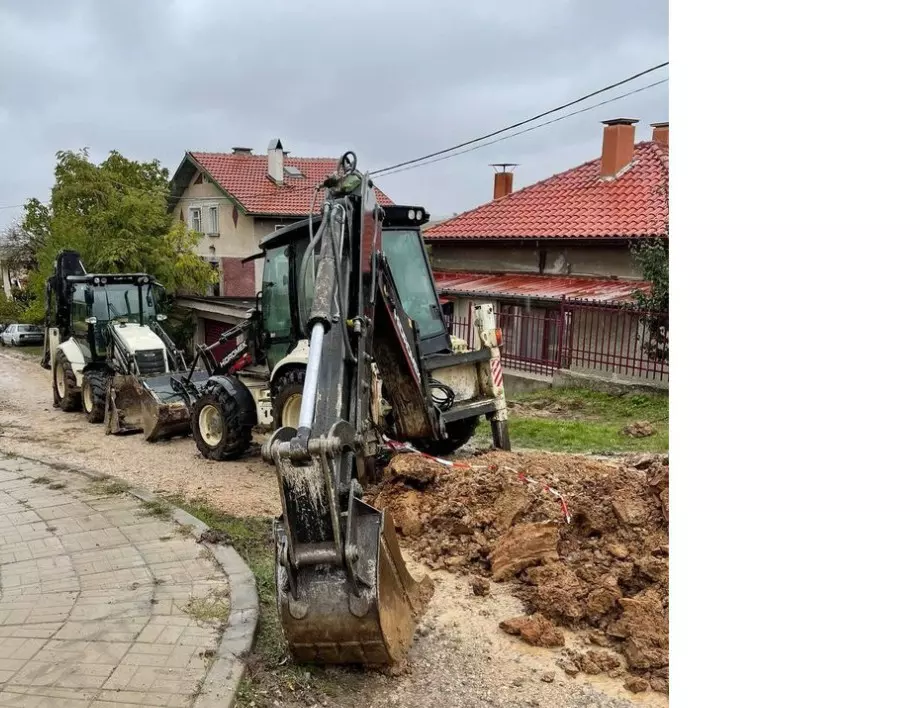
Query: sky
point(391, 80)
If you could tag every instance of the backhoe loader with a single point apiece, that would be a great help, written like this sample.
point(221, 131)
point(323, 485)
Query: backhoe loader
point(367, 318)
point(108, 353)
point(258, 385)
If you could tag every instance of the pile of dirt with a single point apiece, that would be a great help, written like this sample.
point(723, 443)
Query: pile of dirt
point(604, 573)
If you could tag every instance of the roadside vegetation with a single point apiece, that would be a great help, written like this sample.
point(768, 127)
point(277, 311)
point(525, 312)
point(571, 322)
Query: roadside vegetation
point(269, 680)
point(583, 421)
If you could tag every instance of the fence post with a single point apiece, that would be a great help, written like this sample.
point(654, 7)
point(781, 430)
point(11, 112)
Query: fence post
point(560, 334)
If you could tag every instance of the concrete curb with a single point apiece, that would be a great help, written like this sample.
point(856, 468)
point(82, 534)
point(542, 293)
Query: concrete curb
point(218, 690)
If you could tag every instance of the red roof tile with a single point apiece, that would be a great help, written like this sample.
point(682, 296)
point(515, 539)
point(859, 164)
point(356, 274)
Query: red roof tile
point(576, 204)
point(245, 178)
point(547, 287)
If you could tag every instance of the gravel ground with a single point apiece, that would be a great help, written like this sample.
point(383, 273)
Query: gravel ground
point(460, 658)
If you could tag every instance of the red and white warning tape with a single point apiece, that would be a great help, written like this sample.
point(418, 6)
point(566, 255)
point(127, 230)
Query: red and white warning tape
point(408, 447)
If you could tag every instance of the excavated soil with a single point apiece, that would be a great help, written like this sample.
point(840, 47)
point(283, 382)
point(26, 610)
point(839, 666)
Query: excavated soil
point(603, 573)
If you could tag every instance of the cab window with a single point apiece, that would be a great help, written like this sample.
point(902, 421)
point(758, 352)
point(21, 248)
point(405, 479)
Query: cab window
point(405, 254)
point(276, 308)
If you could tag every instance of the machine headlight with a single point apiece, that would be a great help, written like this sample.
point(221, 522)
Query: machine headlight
point(90, 320)
point(411, 214)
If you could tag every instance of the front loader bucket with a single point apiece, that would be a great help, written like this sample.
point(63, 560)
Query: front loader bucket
point(330, 622)
point(149, 405)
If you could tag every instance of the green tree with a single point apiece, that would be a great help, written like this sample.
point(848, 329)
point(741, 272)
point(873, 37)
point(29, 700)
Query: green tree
point(652, 258)
point(10, 309)
point(114, 215)
point(19, 248)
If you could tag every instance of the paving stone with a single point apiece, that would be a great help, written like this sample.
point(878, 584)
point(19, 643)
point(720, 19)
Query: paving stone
point(92, 597)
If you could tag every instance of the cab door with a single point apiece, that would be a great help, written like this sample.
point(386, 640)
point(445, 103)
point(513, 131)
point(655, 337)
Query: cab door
point(276, 305)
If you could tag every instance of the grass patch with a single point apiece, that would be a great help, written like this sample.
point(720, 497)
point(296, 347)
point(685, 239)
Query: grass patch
point(156, 508)
point(580, 420)
point(214, 608)
point(108, 488)
point(35, 352)
point(269, 676)
point(57, 485)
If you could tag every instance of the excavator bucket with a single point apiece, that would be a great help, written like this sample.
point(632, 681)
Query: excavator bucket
point(360, 611)
point(147, 405)
point(331, 623)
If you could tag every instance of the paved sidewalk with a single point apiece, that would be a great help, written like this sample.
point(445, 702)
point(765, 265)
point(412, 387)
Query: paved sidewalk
point(103, 602)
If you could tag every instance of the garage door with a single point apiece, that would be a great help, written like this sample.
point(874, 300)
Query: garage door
point(212, 331)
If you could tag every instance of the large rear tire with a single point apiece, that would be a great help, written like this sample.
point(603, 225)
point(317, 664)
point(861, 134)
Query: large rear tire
point(459, 433)
point(288, 395)
point(64, 385)
point(218, 425)
point(95, 387)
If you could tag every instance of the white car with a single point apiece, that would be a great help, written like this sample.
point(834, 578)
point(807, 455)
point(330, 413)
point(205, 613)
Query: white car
point(22, 335)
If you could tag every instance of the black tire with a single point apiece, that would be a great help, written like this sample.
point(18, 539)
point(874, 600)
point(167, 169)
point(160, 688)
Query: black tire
point(70, 400)
point(235, 435)
point(290, 383)
point(95, 389)
point(459, 433)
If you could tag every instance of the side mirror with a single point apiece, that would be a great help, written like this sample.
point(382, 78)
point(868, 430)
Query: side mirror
point(90, 320)
point(161, 317)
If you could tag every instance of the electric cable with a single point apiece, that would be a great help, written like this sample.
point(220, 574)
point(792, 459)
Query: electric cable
point(522, 122)
point(526, 130)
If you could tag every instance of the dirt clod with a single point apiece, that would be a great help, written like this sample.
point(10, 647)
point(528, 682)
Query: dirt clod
point(413, 469)
point(596, 662)
point(524, 546)
point(480, 586)
point(548, 677)
point(636, 684)
point(568, 666)
point(214, 536)
point(639, 429)
point(535, 630)
point(658, 684)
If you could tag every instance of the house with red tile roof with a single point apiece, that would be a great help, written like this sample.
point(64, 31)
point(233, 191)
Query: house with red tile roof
point(566, 238)
point(235, 199)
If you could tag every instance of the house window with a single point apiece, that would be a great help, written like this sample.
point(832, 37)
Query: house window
point(194, 219)
point(213, 226)
point(214, 290)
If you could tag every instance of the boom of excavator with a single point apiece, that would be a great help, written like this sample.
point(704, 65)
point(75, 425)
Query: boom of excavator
point(344, 593)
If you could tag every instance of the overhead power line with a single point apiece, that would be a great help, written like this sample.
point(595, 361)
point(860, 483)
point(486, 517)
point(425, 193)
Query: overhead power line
point(523, 122)
point(526, 130)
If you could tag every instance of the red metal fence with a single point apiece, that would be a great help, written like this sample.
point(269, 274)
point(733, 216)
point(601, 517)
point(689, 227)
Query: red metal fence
point(579, 335)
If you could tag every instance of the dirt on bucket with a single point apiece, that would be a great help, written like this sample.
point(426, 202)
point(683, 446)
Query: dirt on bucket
point(602, 573)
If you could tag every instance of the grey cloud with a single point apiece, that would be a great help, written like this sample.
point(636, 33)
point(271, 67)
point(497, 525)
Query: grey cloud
point(391, 80)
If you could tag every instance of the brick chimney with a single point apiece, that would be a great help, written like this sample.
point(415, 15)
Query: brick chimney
point(660, 133)
point(276, 161)
point(504, 178)
point(618, 145)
